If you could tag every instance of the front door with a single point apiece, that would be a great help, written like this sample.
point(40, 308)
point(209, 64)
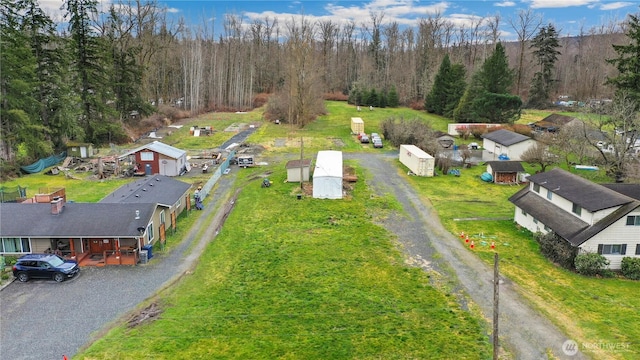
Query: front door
point(97, 246)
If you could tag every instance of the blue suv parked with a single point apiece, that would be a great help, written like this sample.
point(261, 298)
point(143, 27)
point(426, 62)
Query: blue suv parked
point(44, 266)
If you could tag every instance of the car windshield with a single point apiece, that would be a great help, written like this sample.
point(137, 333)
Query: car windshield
point(56, 261)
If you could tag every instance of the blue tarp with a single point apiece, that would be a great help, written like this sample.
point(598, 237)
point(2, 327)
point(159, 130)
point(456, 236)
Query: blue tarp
point(42, 164)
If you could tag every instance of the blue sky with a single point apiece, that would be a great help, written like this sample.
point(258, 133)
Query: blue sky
point(567, 15)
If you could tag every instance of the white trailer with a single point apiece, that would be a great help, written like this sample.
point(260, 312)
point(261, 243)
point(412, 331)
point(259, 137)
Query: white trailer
point(357, 125)
point(418, 161)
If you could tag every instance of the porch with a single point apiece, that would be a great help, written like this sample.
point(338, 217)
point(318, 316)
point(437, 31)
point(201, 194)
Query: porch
point(109, 257)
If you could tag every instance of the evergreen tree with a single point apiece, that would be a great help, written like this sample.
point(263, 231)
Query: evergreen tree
point(546, 52)
point(57, 112)
point(436, 100)
point(372, 98)
point(628, 62)
point(393, 100)
point(22, 137)
point(448, 88)
point(487, 98)
point(88, 63)
point(455, 90)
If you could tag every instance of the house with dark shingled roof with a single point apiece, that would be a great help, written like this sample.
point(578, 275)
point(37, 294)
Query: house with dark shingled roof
point(506, 142)
point(111, 232)
point(591, 217)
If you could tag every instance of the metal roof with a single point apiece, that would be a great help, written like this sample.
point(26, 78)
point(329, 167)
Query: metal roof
point(160, 148)
point(328, 163)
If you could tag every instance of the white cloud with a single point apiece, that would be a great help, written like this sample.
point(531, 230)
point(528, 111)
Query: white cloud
point(505, 4)
point(615, 5)
point(539, 4)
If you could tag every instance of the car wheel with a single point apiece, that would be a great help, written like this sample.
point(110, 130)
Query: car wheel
point(58, 277)
point(23, 277)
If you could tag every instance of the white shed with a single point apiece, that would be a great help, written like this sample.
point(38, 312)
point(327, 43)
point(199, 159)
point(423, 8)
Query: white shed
point(327, 175)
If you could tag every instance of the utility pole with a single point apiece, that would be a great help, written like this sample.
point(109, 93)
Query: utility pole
point(496, 296)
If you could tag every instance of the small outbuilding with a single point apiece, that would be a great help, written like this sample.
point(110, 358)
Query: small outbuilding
point(81, 150)
point(327, 175)
point(505, 172)
point(293, 170)
point(158, 158)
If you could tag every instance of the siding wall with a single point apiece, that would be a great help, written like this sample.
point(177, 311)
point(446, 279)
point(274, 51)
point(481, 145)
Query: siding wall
point(617, 233)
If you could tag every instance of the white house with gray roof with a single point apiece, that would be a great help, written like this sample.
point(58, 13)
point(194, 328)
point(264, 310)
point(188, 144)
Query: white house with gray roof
point(505, 142)
point(592, 217)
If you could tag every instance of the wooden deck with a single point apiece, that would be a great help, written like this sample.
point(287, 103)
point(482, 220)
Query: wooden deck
point(108, 258)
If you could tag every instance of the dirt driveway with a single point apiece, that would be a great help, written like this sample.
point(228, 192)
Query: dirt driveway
point(523, 332)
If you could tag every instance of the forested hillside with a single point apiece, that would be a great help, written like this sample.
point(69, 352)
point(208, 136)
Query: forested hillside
point(92, 75)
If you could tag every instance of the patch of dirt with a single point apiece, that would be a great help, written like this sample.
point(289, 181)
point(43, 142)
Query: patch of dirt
point(147, 314)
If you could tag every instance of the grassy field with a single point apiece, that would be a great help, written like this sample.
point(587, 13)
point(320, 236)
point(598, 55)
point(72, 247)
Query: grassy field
point(302, 279)
point(290, 278)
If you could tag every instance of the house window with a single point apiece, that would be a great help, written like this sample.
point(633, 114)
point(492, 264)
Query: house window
point(162, 217)
point(546, 228)
point(14, 245)
point(146, 156)
point(150, 233)
point(523, 212)
point(612, 249)
point(638, 249)
point(536, 188)
point(577, 209)
point(633, 220)
point(535, 221)
point(549, 195)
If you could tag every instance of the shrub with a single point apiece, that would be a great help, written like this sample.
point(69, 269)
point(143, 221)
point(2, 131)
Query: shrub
point(557, 250)
point(631, 268)
point(591, 264)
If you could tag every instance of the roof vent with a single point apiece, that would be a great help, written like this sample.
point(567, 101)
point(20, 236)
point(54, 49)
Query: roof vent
point(144, 189)
point(157, 179)
point(137, 214)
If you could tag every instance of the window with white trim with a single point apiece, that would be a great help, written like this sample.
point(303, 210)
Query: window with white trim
point(612, 249)
point(638, 249)
point(549, 195)
point(149, 233)
point(536, 188)
point(146, 156)
point(162, 217)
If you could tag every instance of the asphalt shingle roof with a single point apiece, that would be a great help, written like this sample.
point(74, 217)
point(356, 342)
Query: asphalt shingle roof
point(505, 137)
point(506, 166)
point(75, 220)
point(152, 189)
point(588, 195)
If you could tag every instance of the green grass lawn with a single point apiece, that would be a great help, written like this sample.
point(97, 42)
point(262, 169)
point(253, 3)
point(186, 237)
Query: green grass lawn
point(302, 279)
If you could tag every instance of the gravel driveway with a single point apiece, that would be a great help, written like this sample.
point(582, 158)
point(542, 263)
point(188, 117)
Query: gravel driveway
point(527, 334)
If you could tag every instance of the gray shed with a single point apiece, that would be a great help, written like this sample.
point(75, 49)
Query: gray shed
point(293, 170)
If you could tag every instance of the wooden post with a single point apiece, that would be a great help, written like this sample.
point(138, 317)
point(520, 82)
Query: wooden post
point(496, 295)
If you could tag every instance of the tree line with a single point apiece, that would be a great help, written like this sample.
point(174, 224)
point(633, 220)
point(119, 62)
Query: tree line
point(98, 73)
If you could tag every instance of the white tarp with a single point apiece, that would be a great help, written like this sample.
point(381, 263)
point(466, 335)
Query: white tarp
point(327, 175)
